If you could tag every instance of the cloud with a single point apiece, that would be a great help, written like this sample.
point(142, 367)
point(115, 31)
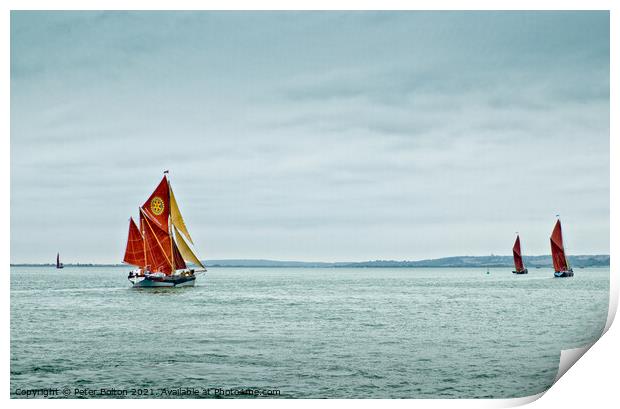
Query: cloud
point(317, 136)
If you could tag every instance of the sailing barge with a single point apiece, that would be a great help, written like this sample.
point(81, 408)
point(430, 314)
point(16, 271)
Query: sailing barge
point(560, 262)
point(58, 263)
point(518, 259)
point(159, 248)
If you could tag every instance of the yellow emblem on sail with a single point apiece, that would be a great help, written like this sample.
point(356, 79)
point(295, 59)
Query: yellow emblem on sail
point(176, 218)
point(186, 252)
point(157, 206)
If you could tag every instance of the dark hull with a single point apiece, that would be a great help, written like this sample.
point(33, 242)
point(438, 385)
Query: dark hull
point(175, 280)
point(524, 271)
point(167, 281)
point(566, 273)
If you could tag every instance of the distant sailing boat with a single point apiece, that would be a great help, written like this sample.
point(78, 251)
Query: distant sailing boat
point(158, 248)
point(516, 254)
point(58, 263)
point(560, 263)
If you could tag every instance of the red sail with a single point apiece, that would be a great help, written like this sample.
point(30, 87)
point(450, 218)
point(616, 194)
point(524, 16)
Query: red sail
point(134, 253)
point(179, 263)
point(157, 206)
point(516, 254)
point(557, 249)
point(158, 246)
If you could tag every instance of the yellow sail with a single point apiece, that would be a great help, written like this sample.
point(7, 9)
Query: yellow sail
point(186, 252)
point(176, 218)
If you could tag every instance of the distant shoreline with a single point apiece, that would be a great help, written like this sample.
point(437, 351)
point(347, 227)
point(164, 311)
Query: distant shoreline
point(492, 261)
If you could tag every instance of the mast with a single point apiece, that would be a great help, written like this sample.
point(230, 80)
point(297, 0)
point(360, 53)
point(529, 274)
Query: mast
point(171, 247)
point(146, 264)
point(170, 225)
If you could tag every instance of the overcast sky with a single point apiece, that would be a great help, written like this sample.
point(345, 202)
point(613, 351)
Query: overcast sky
point(311, 136)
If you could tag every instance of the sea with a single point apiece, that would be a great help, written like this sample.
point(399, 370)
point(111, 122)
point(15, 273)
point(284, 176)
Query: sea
point(82, 332)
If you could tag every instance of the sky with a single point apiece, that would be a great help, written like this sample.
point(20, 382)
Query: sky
point(318, 136)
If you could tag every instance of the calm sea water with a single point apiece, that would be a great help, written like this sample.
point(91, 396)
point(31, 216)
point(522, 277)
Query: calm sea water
point(310, 333)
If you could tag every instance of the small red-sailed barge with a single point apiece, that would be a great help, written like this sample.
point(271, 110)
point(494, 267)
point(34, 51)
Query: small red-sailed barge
point(560, 262)
point(516, 254)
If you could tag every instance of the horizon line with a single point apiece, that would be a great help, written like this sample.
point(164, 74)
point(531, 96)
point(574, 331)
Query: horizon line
point(324, 262)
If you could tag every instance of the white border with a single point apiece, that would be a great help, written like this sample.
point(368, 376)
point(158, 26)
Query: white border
point(595, 374)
